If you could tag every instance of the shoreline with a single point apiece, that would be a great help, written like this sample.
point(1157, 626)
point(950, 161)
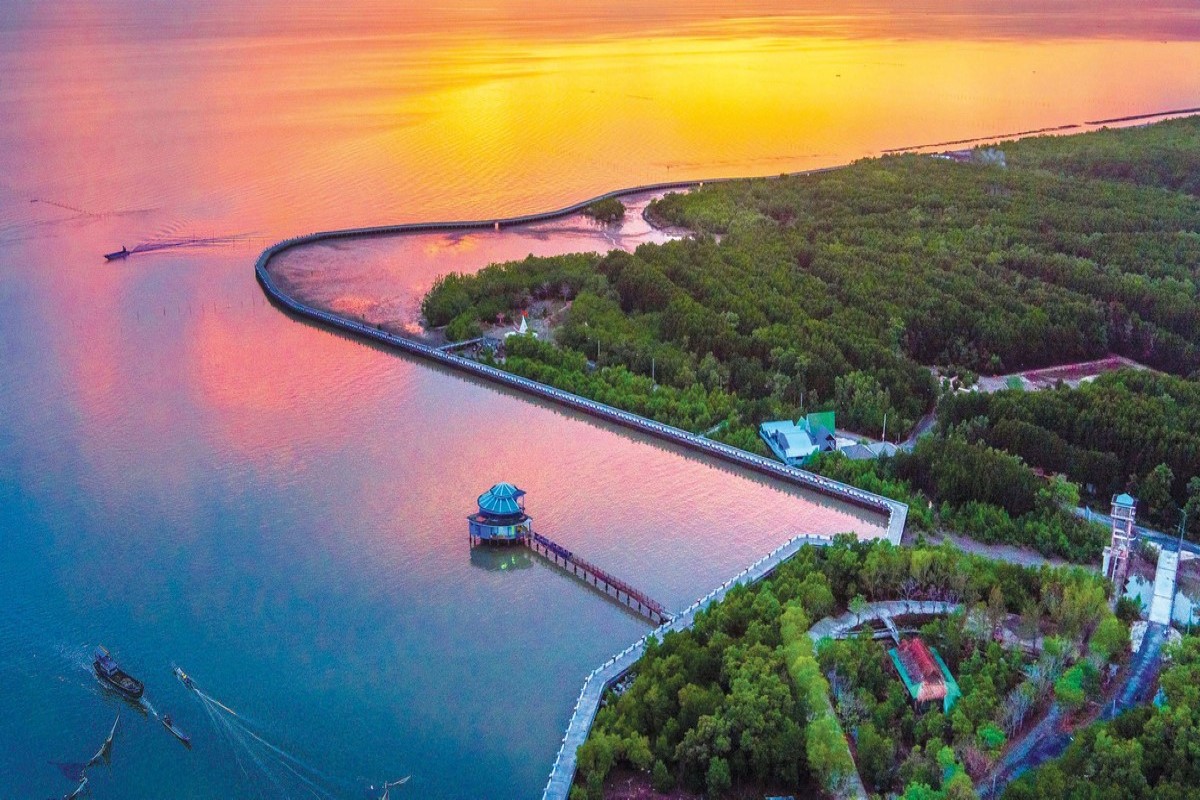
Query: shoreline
point(587, 705)
point(563, 771)
point(894, 511)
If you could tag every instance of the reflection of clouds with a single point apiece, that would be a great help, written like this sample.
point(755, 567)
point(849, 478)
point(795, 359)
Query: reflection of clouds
point(259, 388)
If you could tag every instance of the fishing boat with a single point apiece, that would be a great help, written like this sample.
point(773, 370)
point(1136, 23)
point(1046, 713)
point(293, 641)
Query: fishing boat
point(180, 735)
point(183, 676)
point(116, 678)
point(118, 254)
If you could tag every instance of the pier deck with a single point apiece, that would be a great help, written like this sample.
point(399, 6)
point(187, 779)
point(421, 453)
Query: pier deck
point(614, 587)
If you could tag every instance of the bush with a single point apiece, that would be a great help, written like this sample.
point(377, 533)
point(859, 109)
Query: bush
point(661, 778)
point(1111, 639)
point(606, 211)
point(1129, 610)
point(718, 780)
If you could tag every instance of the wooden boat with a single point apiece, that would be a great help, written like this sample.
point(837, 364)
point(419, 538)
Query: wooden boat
point(116, 678)
point(118, 254)
point(180, 735)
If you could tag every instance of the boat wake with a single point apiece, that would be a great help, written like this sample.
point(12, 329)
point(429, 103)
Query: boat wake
point(270, 769)
point(188, 241)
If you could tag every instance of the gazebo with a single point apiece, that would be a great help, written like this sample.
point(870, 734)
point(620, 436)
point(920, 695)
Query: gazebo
point(501, 517)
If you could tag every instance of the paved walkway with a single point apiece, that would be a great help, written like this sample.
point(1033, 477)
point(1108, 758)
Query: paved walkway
point(1164, 587)
point(840, 627)
point(1045, 741)
point(1023, 556)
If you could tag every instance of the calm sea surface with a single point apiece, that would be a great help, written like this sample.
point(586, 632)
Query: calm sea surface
point(190, 477)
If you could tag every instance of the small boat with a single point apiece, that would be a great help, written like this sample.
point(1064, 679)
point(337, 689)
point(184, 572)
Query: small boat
point(387, 787)
point(183, 676)
point(118, 254)
point(113, 676)
point(180, 735)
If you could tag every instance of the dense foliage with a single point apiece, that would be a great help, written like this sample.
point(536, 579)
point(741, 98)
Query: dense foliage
point(502, 289)
point(1165, 155)
point(1109, 435)
point(831, 290)
point(982, 492)
point(606, 211)
point(743, 699)
point(984, 267)
point(1148, 752)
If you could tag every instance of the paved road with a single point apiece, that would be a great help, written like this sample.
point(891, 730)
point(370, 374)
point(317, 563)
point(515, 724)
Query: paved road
point(1165, 540)
point(1143, 673)
point(1046, 742)
point(1022, 556)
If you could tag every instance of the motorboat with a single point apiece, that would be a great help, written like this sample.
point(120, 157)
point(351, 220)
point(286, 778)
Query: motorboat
point(187, 679)
point(116, 678)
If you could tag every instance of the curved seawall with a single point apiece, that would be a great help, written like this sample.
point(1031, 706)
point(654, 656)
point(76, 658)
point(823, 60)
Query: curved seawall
point(563, 771)
point(895, 511)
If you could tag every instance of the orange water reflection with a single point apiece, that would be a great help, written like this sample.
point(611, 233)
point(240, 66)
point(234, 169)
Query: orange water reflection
point(363, 116)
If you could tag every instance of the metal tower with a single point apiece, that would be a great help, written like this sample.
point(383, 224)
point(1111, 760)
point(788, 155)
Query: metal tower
point(1116, 555)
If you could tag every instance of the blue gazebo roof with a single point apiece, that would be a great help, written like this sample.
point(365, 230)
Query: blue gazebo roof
point(1124, 500)
point(502, 499)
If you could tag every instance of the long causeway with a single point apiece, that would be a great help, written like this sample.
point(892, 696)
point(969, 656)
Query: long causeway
point(563, 773)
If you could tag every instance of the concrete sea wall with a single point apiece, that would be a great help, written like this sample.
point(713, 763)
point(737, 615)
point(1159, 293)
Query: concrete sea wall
point(895, 511)
point(604, 676)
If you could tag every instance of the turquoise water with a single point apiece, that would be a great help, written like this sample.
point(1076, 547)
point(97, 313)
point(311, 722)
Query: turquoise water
point(189, 476)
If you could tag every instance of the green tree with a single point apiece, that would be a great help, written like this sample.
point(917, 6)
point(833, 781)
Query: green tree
point(607, 211)
point(718, 779)
point(876, 754)
point(991, 738)
point(858, 607)
point(1192, 507)
point(1075, 686)
point(829, 758)
point(921, 791)
point(1155, 491)
point(661, 778)
point(1111, 639)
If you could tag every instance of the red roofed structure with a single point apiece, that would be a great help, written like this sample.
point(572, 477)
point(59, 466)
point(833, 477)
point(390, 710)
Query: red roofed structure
point(924, 673)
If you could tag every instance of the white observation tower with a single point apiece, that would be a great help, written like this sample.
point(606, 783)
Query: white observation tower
point(1116, 555)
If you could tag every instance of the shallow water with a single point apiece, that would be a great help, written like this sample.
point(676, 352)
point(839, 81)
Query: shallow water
point(381, 280)
point(189, 476)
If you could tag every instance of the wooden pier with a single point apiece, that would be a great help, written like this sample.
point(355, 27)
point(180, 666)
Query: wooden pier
point(614, 587)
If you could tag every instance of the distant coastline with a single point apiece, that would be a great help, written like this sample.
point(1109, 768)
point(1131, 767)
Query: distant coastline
point(1075, 127)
